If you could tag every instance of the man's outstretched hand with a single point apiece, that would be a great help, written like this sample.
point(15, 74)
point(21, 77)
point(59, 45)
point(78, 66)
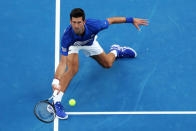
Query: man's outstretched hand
point(137, 22)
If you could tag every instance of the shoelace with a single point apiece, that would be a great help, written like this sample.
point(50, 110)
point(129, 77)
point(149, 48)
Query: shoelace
point(121, 48)
point(115, 46)
point(124, 48)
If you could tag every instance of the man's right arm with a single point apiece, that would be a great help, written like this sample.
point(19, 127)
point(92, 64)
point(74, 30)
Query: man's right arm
point(61, 67)
point(59, 72)
point(64, 53)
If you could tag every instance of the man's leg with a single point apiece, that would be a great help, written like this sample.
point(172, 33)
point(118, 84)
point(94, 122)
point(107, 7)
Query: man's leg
point(72, 65)
point(105, 60)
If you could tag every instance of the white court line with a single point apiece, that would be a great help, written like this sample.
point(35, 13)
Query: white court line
point(57, 54)
point(135, 113)
point(57, 49)
point(57, 34)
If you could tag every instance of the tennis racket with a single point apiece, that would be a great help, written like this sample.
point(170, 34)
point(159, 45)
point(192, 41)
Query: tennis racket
point(45, 111)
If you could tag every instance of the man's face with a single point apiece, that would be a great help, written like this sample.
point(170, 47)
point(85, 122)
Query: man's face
point(77, 25)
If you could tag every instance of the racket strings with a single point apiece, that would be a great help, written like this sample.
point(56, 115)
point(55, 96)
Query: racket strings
point(45, 112)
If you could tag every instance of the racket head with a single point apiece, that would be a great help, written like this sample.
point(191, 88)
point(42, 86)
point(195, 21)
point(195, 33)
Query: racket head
point(45, 111)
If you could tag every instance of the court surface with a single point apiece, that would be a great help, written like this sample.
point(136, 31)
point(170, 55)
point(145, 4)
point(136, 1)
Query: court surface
point(161, 78)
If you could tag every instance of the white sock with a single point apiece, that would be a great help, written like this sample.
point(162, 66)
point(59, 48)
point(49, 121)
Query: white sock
point(114, 52)
point(58, 97)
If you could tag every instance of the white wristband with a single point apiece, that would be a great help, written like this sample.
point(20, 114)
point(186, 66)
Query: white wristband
point(55, 82)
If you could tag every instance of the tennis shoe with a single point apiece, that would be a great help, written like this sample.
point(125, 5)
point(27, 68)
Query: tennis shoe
point(124, 52)
point(60, 113)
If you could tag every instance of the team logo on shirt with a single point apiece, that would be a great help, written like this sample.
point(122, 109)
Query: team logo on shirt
point(64, 49)
point(81, 43)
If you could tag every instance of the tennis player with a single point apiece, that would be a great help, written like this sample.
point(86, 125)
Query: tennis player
point(81, 34)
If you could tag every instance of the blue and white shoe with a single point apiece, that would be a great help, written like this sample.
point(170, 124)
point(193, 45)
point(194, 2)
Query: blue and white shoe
point(60, 113)
point(124, 52)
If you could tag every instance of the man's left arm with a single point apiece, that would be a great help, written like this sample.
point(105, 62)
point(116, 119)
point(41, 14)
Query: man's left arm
point(135, 21)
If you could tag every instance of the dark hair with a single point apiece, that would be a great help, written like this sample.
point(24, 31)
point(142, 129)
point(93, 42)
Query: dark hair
point(77, 12)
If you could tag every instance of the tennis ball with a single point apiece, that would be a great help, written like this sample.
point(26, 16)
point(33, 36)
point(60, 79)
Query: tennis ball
point(72, 102)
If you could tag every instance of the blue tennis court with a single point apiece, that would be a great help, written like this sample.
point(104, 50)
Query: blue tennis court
point(161, 78)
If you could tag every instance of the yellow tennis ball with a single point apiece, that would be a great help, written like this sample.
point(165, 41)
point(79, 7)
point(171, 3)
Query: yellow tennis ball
point(72, 102)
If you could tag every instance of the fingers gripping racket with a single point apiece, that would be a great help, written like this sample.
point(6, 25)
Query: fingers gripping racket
point(45, 111)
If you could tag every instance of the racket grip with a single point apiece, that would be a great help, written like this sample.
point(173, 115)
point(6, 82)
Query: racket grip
point(55, 92)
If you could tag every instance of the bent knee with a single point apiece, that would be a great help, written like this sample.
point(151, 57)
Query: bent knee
point(107, 65)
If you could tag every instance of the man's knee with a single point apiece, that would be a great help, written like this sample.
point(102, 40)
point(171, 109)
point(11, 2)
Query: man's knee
point(104, 60)
point(107, 65)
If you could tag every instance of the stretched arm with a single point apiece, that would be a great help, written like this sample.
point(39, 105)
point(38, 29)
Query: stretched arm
point(116, 20)
point(60, 70)
point(136, 21)
point(61, 67)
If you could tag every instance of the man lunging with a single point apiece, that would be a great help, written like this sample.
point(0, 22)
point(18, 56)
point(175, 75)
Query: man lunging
point(81, 34)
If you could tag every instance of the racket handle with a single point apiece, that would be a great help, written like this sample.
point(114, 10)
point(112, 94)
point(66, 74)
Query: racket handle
point(55, 92)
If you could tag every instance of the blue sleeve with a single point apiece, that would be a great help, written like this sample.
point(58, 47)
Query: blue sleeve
point(66, 41)
point(97, 25)
point(64, 48)
point(103, 24)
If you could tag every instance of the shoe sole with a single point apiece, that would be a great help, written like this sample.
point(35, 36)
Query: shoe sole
point(65, 118)
point(115, 46)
